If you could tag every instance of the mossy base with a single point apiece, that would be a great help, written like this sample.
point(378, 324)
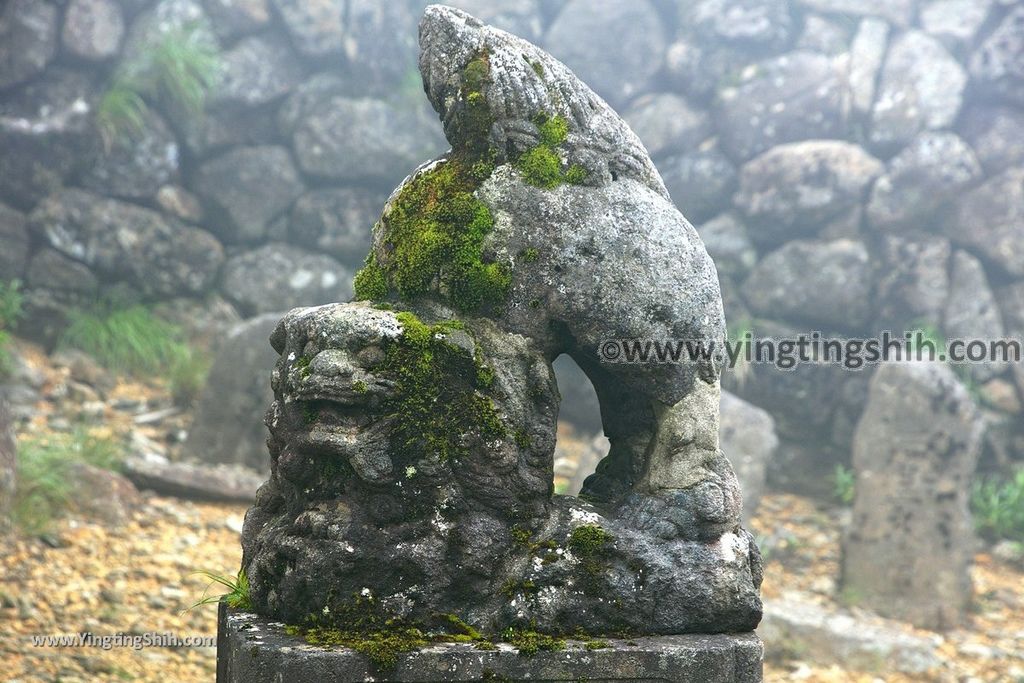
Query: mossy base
point(250, 648)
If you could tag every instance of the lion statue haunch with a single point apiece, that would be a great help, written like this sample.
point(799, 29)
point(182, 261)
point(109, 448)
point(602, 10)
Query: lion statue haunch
point(412, 433)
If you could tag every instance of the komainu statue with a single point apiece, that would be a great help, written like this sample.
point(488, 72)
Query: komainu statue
point(413, 430)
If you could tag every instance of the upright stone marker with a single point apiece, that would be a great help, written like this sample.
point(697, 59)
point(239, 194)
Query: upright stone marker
point(909, 546)
point(412, 432)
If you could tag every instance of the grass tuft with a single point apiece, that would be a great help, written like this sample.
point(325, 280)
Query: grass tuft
point(998, 506)
point(237, 595)
point(844, 484)
point(10, 312)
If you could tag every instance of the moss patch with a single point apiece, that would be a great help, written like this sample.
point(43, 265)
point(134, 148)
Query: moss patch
point(541, 165)
point(588, 539)
point(438, 399)
point(371, 282)
point(530, 642)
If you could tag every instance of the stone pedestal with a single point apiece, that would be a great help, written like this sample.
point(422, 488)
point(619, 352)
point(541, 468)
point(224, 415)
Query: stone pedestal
point(250, 648)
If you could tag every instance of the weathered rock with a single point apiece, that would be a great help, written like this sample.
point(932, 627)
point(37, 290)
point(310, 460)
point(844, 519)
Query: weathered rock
point(257, 70)
point(355, 138)
point(122, 241)
point(912, 282)
point(336, 222)
point(14, 237)
point(765, 24)
point(908, 550)
point(136, 167)
point(820, 283)
point(829, 637)
point(57, 286)
point(728, 242)
point(234, 18)
point(587, 37)
point(990, 220)
point(276, 277)
point(225, 125)
point(191, 481)
point(955, 22)
point(998, 64)
point(749, 441)
point(245, 189)
point(667, 124)
point(796, 96)
point(1011, 300)
point(46, 133)
point(793, 189)
point(160, 20)
point(228, 424)
point(8, 461)
point(697, 69)
point(101, 494)
point(206, 322)
point(899, 12)
point(93, 29)
point(180, 203)
point(921, 88)
point(931, 170)
point(28, 39)
point(972, 311)
point(867, 52)
point(380, 46)
point(996, 134)
point(317, 29)
point(700, 182)
point(824, 36)
point(52, 270)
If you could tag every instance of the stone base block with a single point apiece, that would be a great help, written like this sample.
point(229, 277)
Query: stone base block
point(251, 649)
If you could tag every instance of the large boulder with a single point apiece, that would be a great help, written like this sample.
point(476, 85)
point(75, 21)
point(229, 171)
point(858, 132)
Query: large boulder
point(793, 189)
point(317, 29)
point(93, 29)
point(867, 53)
point(228, 424)
point(921, 88)
point(908, 550)
point(255, 71)
point(234, 18)
point(588, 36)
point(912, 281)
point(667, 124)
point(121, 241)
point(996, 134)
point(933, 169)
point(15, 238)
point(701, 182)
point(28, 39)
point(246, 189)
point(817, 283)
point(137, 166)
point(990, 220)
point(998, 64)
point(751, 24)
point(795, 96)
point(955, 22)
point(749, 441)
point(276, 277)
point(57, 286)
point(336, 222)
point(728, 242)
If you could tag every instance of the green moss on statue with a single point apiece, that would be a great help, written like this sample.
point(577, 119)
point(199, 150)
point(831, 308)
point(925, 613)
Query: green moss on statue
point(541, 166)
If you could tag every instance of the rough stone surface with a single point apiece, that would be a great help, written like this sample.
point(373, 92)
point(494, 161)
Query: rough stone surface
point(921, 88)
point(794, 189)
point(867, 53)
point(990, 220)
point(667, 124)
point(700, 182)
point(816, 282)
point(192, 481)
point(793, 623)
point(228, 426)
point(128, 242)
point(257, 70)
point(749, 441)
point(138, 167)
point(899, 12)
point(996, 135)
point(1011, 299)
point(28, 39)
point(761, 23)
point(955, 22)
point(728, 242)
point(272, 277)
point(796, 96)
point(234, 18)
point(824, 36)
point(931, 170)
point(15, 238)
point(587, 38)
point(972, 311)
point(727, 658)
point(912, 283)
point(93, 29)
point(336, 222)
point(998, 65)
point(246, 188)
point(317, 28)
point(909, 546)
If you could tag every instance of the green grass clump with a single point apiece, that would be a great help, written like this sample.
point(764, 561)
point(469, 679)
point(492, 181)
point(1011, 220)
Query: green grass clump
point(530, 642)
point(541, 165)
point(438, 399)
point(133, 341)
point(237, 596)
point(844, 484)
point(10, 312)
point(998, 506)
point(43, 473)
point(178, 69)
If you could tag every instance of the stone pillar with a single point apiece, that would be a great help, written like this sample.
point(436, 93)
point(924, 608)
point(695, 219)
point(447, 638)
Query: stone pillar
point(908, 549)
